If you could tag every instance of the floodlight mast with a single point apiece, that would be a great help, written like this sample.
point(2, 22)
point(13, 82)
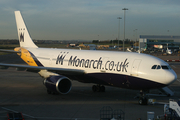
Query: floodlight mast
point(119, 31)
point(124, 25)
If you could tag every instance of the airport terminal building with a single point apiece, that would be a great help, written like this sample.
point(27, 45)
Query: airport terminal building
point(159, 41)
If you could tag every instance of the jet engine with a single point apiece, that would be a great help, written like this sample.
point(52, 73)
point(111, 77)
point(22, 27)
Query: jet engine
point(58, 84)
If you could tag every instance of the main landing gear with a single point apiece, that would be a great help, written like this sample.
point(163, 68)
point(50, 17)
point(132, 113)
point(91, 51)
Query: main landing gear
point(98, 88)
point(143, 100)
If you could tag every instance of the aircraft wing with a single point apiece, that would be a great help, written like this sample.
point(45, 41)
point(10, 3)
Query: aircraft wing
point(62, 71)
point(10, 51)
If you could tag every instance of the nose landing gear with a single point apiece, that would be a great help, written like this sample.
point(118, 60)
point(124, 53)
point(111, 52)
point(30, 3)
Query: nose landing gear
point(143, 100)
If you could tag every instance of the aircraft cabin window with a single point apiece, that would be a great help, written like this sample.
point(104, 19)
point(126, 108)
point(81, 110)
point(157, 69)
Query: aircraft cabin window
point(154, 67)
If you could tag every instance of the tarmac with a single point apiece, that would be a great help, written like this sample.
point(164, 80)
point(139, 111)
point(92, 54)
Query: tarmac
point(24, 92)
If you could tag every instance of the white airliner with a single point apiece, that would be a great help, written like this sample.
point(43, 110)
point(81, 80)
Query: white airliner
point(168, 51)
point(58, 67)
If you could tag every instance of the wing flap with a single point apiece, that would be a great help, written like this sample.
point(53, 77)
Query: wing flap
point(28, 68)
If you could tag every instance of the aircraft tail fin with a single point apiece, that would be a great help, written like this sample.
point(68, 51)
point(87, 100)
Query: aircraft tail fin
point(23, 34)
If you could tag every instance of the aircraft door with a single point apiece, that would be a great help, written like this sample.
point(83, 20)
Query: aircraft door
point(135, 67)
point(50, 60)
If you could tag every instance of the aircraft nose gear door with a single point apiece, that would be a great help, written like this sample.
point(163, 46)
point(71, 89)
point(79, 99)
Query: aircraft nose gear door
point(135, 66)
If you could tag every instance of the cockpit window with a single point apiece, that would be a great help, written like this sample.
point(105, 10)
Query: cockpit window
point(165, 67)
point(158, 67)
point(154, 67)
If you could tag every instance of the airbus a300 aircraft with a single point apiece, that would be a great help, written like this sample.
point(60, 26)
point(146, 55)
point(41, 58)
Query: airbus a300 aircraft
point(118, 69)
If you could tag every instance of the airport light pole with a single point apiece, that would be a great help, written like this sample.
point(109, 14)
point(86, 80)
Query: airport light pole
point(118, 31)
point(135, 37)
point(124, 25)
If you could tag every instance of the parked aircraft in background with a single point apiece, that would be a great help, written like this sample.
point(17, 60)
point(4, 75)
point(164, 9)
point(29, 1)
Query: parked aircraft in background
point(168, 51)
point(58, 67)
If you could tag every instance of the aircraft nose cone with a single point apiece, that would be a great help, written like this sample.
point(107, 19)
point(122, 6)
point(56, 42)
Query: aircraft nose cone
point(171, 77)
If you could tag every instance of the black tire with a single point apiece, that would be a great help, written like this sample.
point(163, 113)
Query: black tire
point(102, 89)
point(94, 88)
point(98, 88)
point(143, 101)
point(140, 101)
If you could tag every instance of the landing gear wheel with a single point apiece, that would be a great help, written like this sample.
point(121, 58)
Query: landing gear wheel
point(140, 101)
point(98, 88)
point(94, 88)
point(102, 89)
point(143, 101)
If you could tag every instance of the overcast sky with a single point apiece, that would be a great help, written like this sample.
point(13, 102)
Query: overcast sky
point(90, 19)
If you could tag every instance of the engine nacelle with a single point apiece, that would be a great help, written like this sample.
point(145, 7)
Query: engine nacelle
point(60, 84)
